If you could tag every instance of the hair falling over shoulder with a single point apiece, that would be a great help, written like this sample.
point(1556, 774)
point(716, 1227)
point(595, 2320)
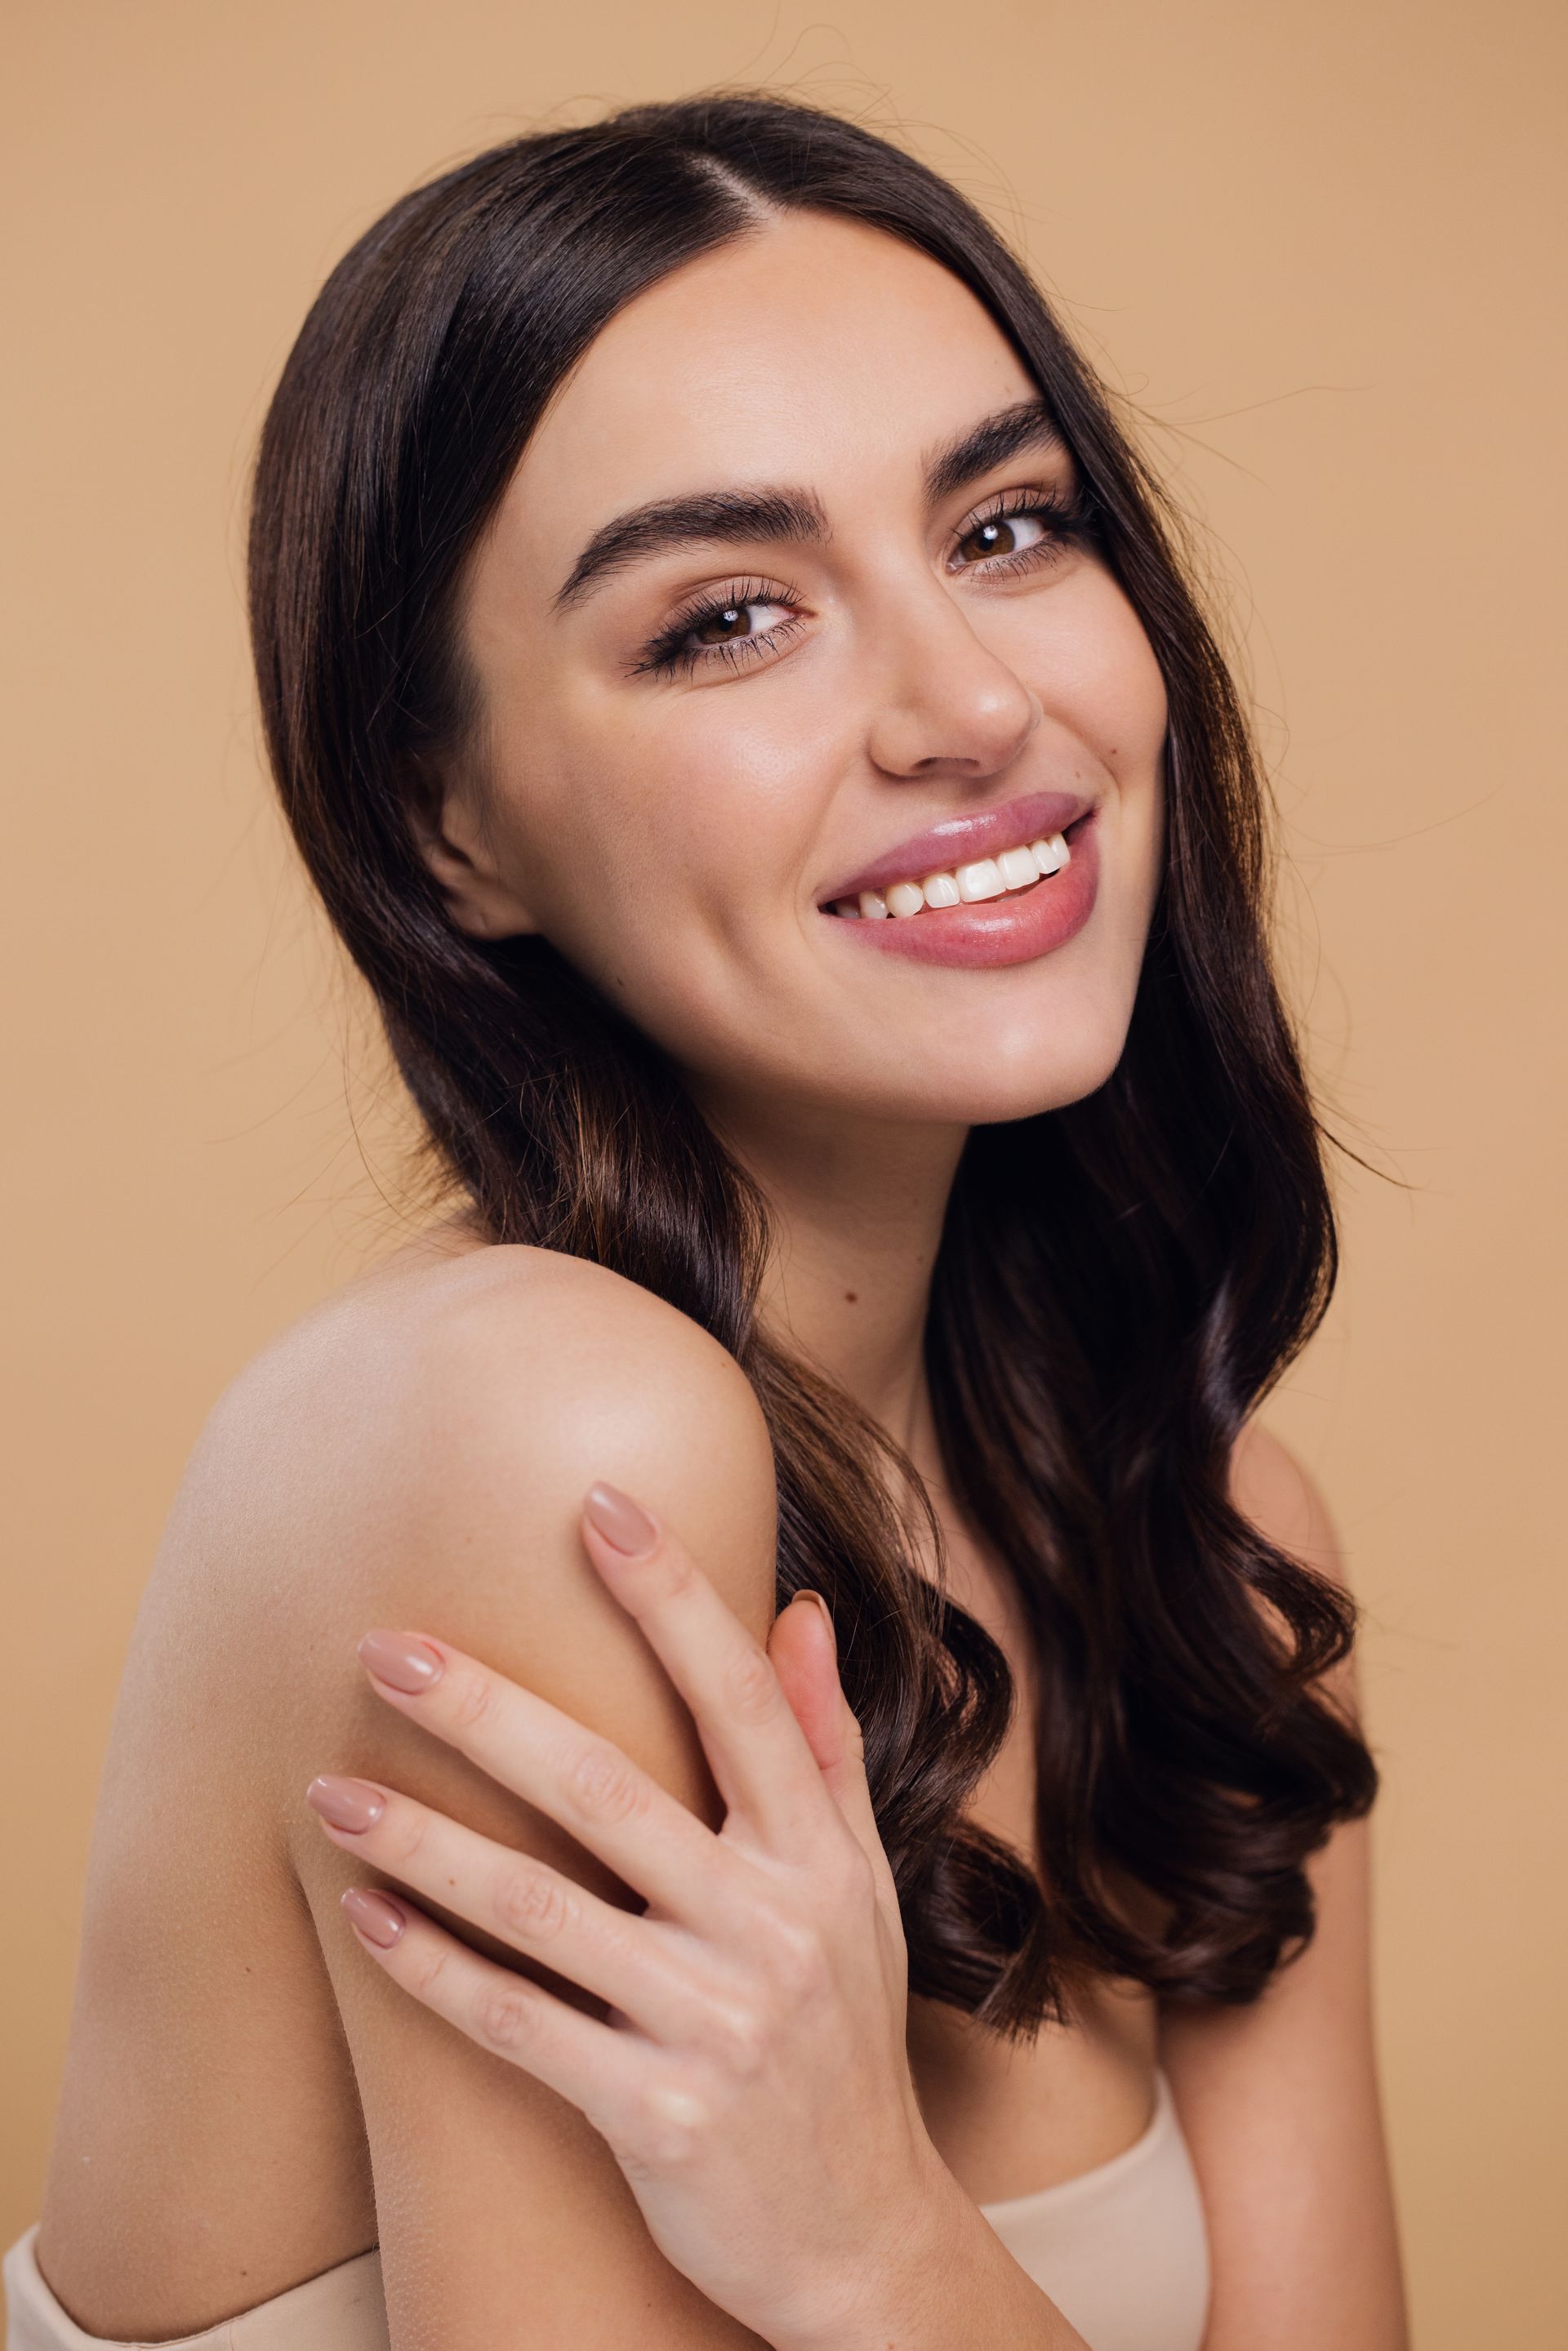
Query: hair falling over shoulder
point(1119, 1281)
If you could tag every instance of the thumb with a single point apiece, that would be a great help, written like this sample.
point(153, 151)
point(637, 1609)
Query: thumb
point(804, 1656)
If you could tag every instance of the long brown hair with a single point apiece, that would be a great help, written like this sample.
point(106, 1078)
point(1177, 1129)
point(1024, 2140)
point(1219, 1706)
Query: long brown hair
point(1119, 1281)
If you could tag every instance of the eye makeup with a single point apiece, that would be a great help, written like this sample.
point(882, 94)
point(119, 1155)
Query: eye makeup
point(673, 653)
point(1064, 517)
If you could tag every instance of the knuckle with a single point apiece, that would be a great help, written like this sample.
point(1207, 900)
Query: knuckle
point(668, 2127)
point(405, 1833)
point(503, 2019)
point(740, 2039)
point(750, 1686)
point(532, 1902)
point(473, 1699)
point(795, 1955)
point(606, 1787)
point(849, 1875)
point(677, 1572)
point(428, 1972)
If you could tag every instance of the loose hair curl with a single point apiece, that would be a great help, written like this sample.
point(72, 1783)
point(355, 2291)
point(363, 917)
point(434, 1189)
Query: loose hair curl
point(1119, 1281)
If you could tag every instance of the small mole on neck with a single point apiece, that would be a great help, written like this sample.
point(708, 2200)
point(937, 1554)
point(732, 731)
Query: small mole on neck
point(852, 1297)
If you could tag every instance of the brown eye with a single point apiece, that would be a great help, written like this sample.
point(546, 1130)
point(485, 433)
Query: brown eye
point(722, 625)
point(1002, 534)
point(758, 621)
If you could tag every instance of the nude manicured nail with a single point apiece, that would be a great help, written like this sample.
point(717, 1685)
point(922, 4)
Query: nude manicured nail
point(619, 1521)
point(409, 1666)
point(379, 1920)
point(347, 1803)
point(827, 1614)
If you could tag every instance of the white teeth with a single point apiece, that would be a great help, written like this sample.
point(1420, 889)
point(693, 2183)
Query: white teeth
point(987, 877)
point(980, 879)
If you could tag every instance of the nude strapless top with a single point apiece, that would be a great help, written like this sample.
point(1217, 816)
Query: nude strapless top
point(1122, 2251)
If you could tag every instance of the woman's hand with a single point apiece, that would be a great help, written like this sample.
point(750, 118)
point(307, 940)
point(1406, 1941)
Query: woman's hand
point(750, 2076)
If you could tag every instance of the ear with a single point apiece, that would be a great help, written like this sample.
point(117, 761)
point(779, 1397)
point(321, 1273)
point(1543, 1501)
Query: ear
point(455, 842)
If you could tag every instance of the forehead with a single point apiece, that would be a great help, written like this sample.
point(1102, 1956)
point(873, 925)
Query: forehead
point(813, 351)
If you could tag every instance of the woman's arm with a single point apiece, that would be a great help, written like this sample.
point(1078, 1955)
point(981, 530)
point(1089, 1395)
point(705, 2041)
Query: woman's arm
point(469, 1414)
point(752, 2073)
point(1280, 2100)
point(504, 2216)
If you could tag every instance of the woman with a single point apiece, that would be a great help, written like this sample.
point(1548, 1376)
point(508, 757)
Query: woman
point(727, 677)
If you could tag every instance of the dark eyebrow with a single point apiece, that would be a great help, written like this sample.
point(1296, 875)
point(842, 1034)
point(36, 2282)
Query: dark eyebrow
point(712, 518)
point(716, 517)
point(1028, 424)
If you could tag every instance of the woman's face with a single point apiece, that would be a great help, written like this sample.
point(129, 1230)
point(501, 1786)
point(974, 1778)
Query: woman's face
point(767, 616)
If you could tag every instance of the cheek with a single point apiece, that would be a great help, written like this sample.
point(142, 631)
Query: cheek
point(723, 792)
point(1108, 688)
point(1107, 682)
point(651, 846)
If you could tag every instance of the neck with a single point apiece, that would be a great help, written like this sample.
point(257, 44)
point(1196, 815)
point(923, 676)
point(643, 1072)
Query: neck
point(856, 1209)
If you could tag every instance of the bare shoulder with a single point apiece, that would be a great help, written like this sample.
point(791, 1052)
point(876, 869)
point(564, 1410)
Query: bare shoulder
point(414, 1455)
point(415, 1451)
point(449, 1393)
point(1271, 1487)
point(511, 1341)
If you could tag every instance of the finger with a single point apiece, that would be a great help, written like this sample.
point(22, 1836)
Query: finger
point(805, 1658)
point(629, 1961)
point(592, 2064)
point(802, 1649)
point(596, 1792)
point(760, 1759)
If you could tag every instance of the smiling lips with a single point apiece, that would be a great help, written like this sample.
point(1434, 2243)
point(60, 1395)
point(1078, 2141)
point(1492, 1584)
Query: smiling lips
point(985, 877)
point(1001, 887)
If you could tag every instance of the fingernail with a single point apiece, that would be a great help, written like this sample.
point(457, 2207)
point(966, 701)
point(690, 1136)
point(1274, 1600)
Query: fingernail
point(347, 1803)
point(619, 1519)
point(408, 1665)
point(380, 1921)
point(827, 1614)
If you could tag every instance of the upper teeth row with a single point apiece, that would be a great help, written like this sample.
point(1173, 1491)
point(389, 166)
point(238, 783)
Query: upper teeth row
point(988, 877)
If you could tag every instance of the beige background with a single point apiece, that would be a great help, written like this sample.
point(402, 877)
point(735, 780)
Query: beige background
point(1317, 243)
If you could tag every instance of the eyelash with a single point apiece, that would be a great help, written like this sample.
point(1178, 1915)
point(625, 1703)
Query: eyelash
point(669, 653)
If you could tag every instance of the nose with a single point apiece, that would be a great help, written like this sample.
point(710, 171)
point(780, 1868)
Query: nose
point(953, 707)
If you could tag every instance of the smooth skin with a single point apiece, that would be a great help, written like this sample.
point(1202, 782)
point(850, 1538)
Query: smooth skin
point(252, 2093)
point(752, 2060)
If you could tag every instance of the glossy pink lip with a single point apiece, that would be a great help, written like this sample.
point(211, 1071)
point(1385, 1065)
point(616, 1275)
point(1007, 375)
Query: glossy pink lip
point(960, 840)
point(988, 933)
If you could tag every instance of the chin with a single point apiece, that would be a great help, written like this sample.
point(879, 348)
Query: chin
point(1052, 1088)
point(988, 1088)
point(1062, 1054)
